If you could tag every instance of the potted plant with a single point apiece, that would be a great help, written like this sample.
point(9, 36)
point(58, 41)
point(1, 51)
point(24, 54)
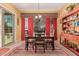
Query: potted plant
point(70, 7)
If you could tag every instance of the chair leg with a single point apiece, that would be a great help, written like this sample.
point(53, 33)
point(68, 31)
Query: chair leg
point(44, 48)
point(35, 48)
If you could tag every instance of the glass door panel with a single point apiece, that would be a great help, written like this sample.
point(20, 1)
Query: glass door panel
point(8, 29)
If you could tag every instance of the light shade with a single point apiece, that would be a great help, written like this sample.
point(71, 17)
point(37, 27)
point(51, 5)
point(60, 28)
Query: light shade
point(38, 16)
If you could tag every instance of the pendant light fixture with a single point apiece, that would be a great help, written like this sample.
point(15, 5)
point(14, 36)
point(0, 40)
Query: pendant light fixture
point(38, 15)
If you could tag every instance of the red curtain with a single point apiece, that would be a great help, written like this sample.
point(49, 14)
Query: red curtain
point(30, 26)
point(47, 26)
point(55, 28)
point(23, 28)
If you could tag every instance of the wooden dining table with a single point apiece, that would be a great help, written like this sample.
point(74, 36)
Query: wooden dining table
point(34, 37)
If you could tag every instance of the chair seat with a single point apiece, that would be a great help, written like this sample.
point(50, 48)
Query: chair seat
point(30, 40)
point(39, 42)
point(48, 40)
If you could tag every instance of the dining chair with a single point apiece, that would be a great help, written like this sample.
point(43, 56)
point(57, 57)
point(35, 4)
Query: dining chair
point(39, 42)
point(31, 41)
point(48, 41)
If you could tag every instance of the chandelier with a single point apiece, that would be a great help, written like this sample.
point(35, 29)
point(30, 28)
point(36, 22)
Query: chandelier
point(38, 16)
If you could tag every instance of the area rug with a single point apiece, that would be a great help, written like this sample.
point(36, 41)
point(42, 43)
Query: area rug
point(59, 51)
point(3, 50)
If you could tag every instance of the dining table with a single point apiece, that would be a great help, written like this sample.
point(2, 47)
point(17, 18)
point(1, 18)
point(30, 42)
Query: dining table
point(36, 37)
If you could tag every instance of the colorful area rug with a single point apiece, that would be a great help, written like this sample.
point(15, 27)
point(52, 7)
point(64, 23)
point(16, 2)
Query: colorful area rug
point(3, 50)
point(59, 51)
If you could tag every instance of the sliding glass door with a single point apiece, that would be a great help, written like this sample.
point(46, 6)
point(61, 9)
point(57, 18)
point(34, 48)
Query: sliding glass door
point(8, 25)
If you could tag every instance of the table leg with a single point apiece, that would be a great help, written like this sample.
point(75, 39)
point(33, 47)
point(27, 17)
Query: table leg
point(53, 47)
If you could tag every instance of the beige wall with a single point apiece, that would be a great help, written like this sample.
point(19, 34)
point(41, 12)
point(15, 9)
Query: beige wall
point(12, 9)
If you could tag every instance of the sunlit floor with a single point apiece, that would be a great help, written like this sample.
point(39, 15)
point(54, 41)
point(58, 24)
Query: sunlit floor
point(59, 51)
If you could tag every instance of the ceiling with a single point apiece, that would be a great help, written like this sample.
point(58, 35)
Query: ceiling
point(41, 7)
